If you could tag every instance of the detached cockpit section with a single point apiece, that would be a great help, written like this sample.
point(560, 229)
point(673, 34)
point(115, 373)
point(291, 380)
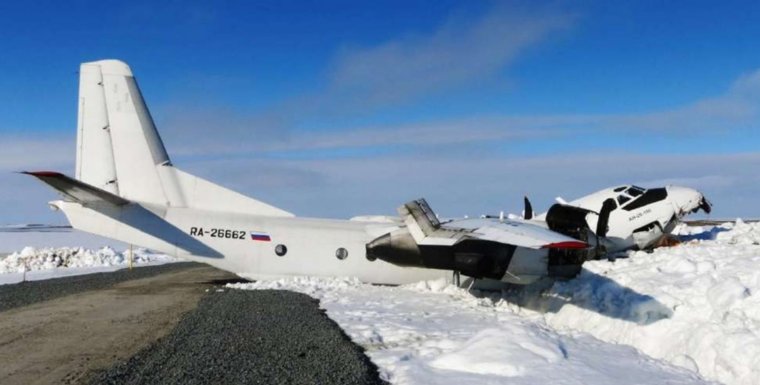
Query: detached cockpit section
point(634, 217)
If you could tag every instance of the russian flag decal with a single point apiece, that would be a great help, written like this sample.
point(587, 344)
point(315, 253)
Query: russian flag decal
point(259, 236)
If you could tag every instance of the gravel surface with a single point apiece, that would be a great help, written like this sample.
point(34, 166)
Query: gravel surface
point(27, 293)
point(249, 337)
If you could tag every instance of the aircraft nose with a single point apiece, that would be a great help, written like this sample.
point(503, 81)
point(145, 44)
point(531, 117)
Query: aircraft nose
point(688, 200)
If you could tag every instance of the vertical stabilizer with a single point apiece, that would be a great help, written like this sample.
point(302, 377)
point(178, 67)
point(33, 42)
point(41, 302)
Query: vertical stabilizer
point(95, 162)
point(119, 147)
point(137, 148)
point(120, 151)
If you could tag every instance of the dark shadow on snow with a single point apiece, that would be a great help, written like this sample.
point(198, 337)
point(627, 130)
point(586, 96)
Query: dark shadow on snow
point(589, 291)
point(225, 281)
point(707, 235)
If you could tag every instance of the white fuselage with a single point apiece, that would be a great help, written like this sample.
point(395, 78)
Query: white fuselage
point(311, 243)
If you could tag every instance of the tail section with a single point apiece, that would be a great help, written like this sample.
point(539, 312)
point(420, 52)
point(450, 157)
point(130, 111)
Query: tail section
point(120, 151)
point(111, 109)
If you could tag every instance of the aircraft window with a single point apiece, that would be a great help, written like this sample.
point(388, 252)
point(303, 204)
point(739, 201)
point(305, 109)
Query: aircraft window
point(622, 199)
point(650, 196)
point(635, 191)
point(280, 250)
point(619, 189)
point(341, 253)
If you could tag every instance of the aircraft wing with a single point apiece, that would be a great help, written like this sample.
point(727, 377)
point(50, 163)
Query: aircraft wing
point(522, 234)
point(428, 231)
point(479, 248)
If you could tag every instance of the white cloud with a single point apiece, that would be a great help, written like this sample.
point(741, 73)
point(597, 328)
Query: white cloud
point(739, 106)
point(458, 52)
point(31, 152)
point(477, 185)
point(737, 109)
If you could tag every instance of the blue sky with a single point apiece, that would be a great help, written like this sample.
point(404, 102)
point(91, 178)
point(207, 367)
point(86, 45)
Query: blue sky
point(345, 108)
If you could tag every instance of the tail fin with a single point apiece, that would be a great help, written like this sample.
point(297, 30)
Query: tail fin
point(120, 151)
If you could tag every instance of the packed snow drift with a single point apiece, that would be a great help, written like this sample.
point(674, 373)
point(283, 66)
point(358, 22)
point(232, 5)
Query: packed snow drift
point(685, 314)
point(696, 305)
point(42, 263)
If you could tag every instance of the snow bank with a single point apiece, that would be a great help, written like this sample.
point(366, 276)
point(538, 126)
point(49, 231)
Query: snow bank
point(434, 333)
point(34, 259)
point(696, 305)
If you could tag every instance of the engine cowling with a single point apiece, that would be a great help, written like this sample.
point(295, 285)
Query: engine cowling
point(474, 258)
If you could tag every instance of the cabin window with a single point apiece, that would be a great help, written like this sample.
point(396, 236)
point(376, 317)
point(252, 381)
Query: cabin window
point(341, 253)
point(280, 250)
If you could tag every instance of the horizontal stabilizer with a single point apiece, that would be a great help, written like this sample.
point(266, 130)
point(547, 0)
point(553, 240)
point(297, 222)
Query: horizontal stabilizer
point(75, 190)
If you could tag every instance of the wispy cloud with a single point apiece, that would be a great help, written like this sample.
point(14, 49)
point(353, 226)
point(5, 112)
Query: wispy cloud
point(29, 152)
point(460, 51)
point(22, 198)
point(735, 110)
point(737, 107)
point(458, 185)
point(463, 51)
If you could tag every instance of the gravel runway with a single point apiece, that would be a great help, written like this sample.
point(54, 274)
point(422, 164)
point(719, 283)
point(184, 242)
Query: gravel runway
point(249, 337)
point(27, 293)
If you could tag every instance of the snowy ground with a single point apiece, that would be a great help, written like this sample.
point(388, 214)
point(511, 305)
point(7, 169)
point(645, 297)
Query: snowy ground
point(43, 263)
point(686, 314)
point(696, 305)
point(16, 237)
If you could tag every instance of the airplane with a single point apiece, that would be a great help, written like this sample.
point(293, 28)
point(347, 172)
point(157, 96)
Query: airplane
point(126, 188)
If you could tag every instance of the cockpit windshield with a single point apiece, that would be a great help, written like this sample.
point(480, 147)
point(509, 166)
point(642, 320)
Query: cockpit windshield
point(628, 193)
point(635, 191)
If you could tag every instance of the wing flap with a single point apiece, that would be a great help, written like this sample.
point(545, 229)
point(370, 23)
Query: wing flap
point(525, 235)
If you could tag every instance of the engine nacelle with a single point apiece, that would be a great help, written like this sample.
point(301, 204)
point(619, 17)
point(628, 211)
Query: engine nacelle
point(474, 258)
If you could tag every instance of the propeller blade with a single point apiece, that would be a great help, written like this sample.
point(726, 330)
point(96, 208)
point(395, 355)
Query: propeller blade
point(528, 209)
point(604, 217)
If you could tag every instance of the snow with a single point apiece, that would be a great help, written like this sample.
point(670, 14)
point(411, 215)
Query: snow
point(43, 263)
point(435, 333)
point(684, 314)
point(16, 237)
point(680, 315)
point(694, 305)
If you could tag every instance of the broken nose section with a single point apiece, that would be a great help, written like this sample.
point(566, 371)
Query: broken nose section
point(705, 205)
point(688, 200)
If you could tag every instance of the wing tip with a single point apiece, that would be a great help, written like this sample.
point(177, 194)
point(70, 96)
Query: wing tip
point(42, 174)
point(573, 245)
